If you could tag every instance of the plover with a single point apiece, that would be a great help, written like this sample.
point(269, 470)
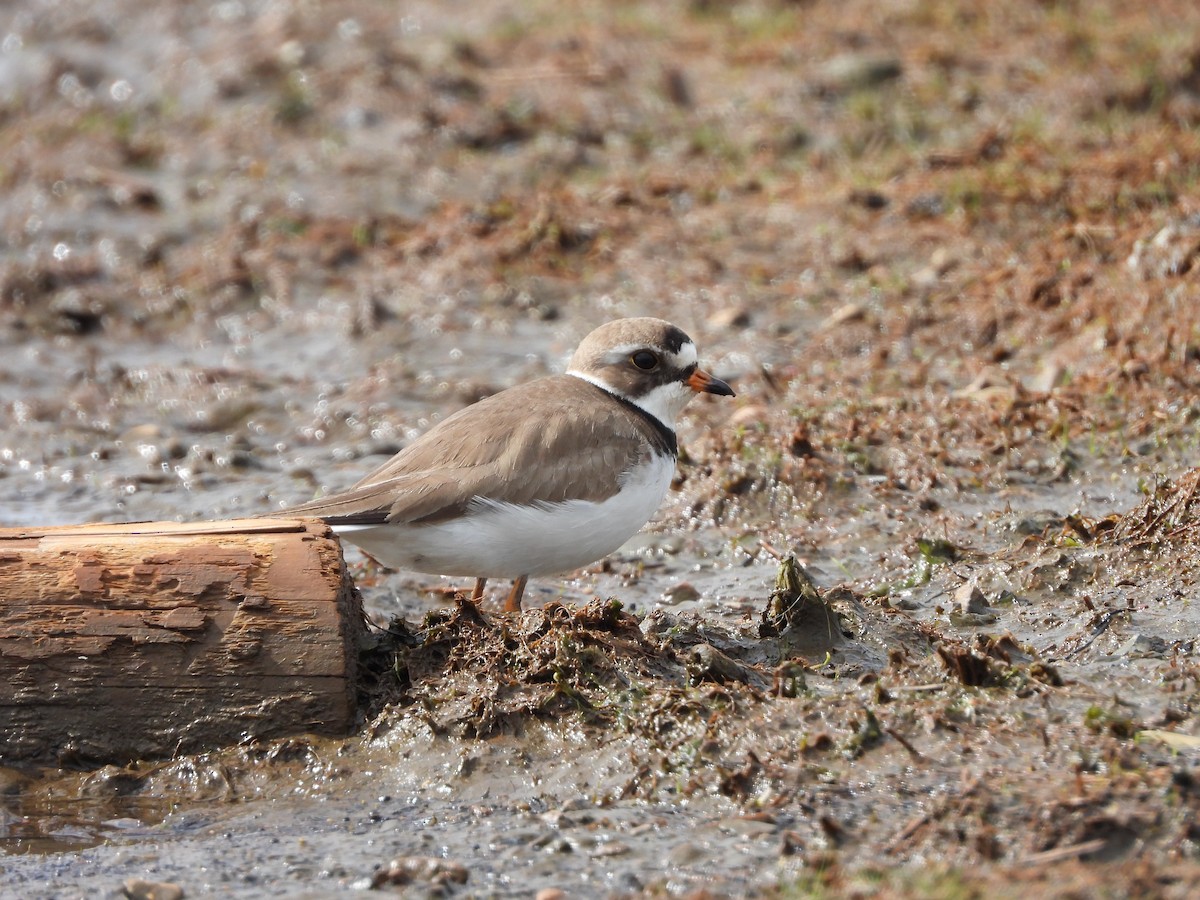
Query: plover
point(541, 478)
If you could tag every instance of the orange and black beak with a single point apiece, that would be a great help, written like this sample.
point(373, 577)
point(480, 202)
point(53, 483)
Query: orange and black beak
point(703, 383)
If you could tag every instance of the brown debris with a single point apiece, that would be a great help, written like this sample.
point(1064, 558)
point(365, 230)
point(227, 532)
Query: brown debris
point(796, 612)
point(1171, 512)
point(968, 667)
point(405, 870)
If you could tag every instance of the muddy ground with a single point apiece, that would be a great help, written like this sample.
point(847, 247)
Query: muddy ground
point(947, 252)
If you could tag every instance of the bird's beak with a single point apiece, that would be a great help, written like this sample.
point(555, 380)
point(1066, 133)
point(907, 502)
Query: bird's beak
point(703, 383)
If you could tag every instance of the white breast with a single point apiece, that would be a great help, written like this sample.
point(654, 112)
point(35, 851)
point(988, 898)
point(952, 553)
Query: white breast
point(504, 540)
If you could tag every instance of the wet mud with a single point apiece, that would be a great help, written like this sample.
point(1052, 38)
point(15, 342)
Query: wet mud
point(919, 618)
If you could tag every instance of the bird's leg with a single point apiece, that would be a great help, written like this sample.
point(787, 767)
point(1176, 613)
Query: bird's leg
point(513, 603)
point(477, 593)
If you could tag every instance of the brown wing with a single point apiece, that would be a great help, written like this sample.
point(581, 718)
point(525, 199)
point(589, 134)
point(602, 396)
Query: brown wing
point(576, 444)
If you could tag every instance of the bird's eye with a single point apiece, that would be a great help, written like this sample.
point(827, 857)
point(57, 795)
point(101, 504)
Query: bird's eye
point(645, 360)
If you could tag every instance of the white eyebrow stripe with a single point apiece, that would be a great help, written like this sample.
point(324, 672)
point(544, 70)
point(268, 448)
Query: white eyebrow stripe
point(623, 350)
point(686, 356)
point(681, 360)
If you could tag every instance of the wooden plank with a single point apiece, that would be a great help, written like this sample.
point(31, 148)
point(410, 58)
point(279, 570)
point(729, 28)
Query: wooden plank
point(127, 641)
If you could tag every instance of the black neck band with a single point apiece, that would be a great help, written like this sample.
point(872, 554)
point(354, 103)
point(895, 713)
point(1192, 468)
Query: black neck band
point(667, 440)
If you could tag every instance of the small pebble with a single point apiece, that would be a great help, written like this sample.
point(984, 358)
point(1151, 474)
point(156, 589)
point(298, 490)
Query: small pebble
point(140, 889)
point(970, 599)
point(682, 592)
point(971, 607)
point(687, 854)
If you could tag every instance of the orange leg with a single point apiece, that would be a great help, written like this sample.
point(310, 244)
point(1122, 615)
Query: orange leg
point(513, 603)
point(477, 593)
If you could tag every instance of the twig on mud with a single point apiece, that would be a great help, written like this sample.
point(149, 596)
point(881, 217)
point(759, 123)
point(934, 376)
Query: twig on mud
point(915, 688)
point(771, 551)
point(1060, 853)
point(1099, 629)
point(905, 743)
point(936, 812)
point(914, 825)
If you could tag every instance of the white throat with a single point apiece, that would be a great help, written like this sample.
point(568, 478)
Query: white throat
point(664, 403)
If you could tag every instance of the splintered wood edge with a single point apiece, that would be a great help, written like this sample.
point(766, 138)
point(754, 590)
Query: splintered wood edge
point(168, 529)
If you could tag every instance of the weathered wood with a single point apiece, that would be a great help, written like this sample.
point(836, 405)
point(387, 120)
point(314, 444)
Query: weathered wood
point(131, 641)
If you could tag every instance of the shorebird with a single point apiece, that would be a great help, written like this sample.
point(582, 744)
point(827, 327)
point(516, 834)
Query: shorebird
point(541, 478)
